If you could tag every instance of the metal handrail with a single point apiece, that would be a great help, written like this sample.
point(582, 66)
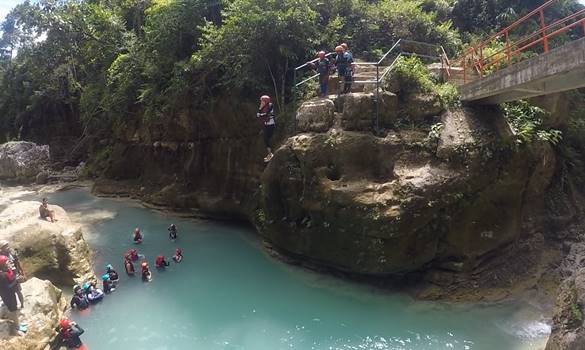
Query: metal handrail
point(479, 62)
point(379, 77)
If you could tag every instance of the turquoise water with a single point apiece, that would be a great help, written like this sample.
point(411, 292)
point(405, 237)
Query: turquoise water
point(228, 294)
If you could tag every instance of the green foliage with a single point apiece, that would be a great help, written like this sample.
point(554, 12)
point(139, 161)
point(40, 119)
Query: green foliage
point(527, 122)
point(449, 95)
point(412, 75)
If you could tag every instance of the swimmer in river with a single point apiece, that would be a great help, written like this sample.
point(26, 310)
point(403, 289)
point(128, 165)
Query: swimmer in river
point(178, 257)
point(146, 275)
point(129, 265)
point(137, 236)
point(161, 262)
point(79, 299)
point(108, 285)
point(93, 294)
point(114, 278)
point(69, 333)
point(172, 232)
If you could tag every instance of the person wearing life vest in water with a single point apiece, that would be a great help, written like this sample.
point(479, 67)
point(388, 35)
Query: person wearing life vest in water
point(344, 65)
point(69, 332)
point(266, 114)
point(93, 294)
point(79, 299)
point(161, 262)
point(178, 257)
point(137, 236)
point(114, 278)
point(172, 232)
point(323, 67)
point(146, 275)
point(129, 265)
point(108, 286)
point(132, 254)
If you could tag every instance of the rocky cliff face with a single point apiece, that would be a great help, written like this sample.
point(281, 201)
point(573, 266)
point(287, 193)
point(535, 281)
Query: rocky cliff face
point(22, 160)
point(345, 198)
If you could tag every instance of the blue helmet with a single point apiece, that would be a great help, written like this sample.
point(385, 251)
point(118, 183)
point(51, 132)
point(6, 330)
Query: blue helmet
point(86, 285)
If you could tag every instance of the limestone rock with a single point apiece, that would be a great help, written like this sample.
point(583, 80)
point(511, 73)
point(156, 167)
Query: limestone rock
point(568, 331)
point(22, 160)
point(315, 116)
point(54, 251)
point(358, 111)
point(419, 106)
point(44, 307)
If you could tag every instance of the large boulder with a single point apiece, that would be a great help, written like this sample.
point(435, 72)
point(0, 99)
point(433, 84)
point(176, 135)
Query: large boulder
point(22, 160)
point(55, 251)
point(316, 116)
point(44, 307)
point(358, 110)
point(391, 205)
point(419, 106)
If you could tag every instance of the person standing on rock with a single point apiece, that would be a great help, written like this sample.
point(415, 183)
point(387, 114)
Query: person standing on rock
point(344, 65)
point(266, 114)
point(323, 67)
point(45, 212)
point(8, 292)
point(15, 267)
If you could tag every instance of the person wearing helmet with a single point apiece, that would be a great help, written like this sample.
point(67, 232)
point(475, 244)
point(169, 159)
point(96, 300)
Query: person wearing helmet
point(323, 67)
point(344, 65)
point(14, 265)
point(45, 212)
point(69, 333)
point(172, 232)
point(107, 285)
point(146, 275)
point(137, 236)
point(266, 114)
point(178, 257)
point(113, 275)
point(8, 292)
point(161, 262)
point(93, 294)
point(79, 299)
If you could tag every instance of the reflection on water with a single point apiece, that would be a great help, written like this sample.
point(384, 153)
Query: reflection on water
point(228, 294)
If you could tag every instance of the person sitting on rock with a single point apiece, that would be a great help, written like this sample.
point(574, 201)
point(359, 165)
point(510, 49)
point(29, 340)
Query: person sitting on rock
point(69, 333)
point(14, 265)
point(8, 292)
point(172, 232)
point(161, 262)
point(323, 67)
point(137, 236)
point(79, 299)
point(108, 286)
point(114, 278)
point(45, 212)
point(178, 257)
point(146, 275)
point(266, 114)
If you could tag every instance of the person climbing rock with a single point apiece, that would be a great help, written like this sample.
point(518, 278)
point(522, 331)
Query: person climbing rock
point(14, 265)
point(146, 275)
point(45, 212)
point(137, 236)
point(114, 278)
point(344, 66)
point(266, 113)
point(69, 333)
point(79, 299)
point(161, 262)
point(323, 67)
point(107, 284)
point(172, 232)
point(8, 293)
point(178, 257)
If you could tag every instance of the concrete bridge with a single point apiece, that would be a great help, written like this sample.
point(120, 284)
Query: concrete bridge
point(558, 70)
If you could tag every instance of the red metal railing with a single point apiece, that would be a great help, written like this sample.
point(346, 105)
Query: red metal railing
point(474, 60)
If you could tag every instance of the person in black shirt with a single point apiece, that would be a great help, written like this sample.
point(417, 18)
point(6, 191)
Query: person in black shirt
point(8, 291)
point(266, 114)
point(69, 333)
point(172, 232)
point(79, 299)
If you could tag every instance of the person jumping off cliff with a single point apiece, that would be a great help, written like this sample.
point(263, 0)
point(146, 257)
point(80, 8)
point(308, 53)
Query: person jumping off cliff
point(266, 114)
point(344, 65)
point(323, 67)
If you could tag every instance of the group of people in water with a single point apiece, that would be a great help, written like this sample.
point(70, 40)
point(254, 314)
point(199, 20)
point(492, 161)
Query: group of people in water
point(89, 293)
point(325, 65)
